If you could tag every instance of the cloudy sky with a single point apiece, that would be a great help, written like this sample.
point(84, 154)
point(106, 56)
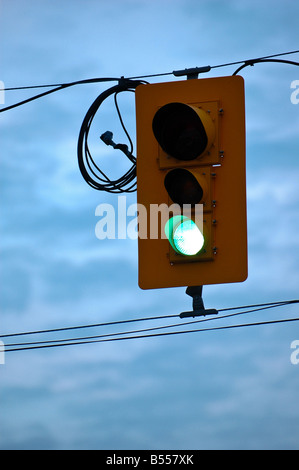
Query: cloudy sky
point(229, 389)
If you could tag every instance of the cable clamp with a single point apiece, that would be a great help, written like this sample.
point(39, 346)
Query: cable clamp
point(191, 72)
point(198, 306)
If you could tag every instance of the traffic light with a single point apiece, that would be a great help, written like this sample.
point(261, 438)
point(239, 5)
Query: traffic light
point(191, 187)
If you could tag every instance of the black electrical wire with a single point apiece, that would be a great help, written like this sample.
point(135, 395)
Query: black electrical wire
point(228, 327)
point(255, 59)
point(270, 304)
point(161, 317)
point(59, 87)
point(130, 154)
point(95, 325)
point(260, 61)
point(10, 345)
point(89, 169)
point(255, 307)
point(258, 307)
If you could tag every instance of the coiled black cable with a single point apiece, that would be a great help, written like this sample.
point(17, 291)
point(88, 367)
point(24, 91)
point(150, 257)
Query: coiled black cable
point(90, 171)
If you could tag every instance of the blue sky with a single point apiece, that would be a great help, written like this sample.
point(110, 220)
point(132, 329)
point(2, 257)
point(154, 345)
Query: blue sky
point(234, 389)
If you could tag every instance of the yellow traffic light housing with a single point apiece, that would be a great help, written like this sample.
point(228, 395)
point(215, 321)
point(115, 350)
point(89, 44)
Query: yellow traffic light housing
point(191, 187)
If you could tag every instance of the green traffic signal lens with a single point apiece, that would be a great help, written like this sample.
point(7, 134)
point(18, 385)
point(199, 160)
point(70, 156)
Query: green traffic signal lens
point(187, 238)
point(184, 235)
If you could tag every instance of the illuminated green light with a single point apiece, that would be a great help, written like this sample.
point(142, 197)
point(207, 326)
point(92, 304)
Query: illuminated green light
point(184, 235)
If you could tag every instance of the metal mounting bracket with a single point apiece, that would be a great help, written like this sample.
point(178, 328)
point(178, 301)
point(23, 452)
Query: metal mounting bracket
point(191, 73)
point(198, 306)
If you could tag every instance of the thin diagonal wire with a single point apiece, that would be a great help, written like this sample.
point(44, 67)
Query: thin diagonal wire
point(271, 322)
point(143, 330)
point(96, 80)
point(119, 322)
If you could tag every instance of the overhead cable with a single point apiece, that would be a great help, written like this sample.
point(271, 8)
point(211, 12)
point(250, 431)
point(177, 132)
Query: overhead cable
point(60, 86)
point(228, 327)
point(88, 339)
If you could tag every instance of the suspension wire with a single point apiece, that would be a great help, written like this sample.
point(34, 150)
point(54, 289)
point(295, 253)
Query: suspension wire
point(161, 317)
point(59, 86)
point(141, 330)
point(68, 340)
point(95, 325)
point(271, 322)
point(260, 61)
point(259, 58)
point(274, 304)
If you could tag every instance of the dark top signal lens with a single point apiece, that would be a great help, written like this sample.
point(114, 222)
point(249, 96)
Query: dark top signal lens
point(180, 131)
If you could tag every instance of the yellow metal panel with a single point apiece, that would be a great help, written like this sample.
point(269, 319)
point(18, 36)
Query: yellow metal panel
point(228, 233)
